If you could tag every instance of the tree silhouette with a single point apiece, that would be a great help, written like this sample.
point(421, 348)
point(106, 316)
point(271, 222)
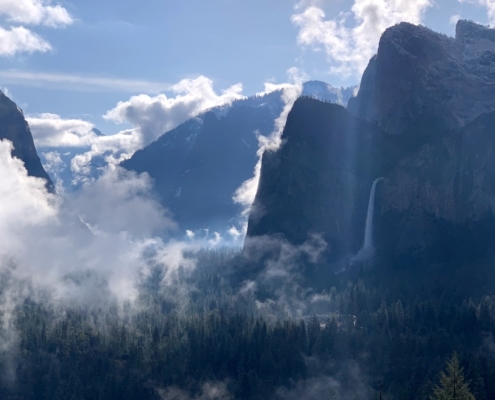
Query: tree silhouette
point(452, 383)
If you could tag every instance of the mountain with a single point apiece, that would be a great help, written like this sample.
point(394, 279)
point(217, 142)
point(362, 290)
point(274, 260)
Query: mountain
point(198, 166)
point(421, 82)
point(15, 128)
point(434, 207)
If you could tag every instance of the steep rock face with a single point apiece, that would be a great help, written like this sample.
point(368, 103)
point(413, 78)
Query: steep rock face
point(439, 202)
point(434, 205)
point(422, 82)
point(319, 181)
point(429, 134)
point(14, 127)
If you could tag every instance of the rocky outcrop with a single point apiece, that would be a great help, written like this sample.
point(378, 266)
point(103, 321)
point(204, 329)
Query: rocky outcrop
point(426, 110)
point(423, 82)
point(441, 199)
point(14, 127)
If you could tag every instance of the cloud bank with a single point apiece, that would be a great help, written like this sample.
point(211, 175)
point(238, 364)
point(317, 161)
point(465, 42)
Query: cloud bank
point(44, 244)
point(351, 39)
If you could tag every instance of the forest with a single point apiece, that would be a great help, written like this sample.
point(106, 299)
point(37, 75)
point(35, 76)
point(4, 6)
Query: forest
point(210, 341)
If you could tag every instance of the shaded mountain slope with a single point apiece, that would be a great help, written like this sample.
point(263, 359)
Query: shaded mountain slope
point(14, 127)
point(198, 166)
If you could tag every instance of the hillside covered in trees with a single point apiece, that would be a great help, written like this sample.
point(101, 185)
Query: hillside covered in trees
point(214, 342)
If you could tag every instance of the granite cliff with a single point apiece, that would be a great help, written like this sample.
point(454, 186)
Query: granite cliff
point(14, 127)
point(423, 120)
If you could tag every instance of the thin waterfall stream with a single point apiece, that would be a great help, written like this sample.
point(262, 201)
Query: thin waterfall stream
point(368, 230)
point(366, 252)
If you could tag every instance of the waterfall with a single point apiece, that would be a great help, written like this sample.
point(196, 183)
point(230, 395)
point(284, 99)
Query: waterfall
point(365, 254)
point(368, 230)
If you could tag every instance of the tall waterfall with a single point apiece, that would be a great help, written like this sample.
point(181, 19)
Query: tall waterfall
point(368, 230)
point(365, 254)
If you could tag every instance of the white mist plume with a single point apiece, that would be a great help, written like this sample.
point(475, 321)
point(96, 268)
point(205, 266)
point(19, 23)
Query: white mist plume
point(282, 274)
point(348, 383)
point(246, 193)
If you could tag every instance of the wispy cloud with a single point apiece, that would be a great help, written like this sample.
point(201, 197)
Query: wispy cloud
point(80, 82)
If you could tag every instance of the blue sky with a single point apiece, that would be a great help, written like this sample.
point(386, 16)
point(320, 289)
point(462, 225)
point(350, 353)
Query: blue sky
point(105, 51)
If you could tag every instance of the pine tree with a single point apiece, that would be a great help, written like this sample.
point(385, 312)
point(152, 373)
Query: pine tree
point(452, 383)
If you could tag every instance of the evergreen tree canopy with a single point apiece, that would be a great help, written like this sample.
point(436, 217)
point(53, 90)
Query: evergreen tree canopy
point(452, 383)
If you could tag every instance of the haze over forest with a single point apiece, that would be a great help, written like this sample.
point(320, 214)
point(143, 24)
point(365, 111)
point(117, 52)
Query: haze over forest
point(308, 212)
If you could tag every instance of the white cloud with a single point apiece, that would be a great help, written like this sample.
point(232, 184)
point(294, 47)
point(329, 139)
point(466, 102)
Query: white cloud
point(153, 116)
point(116, 149)
point(454, 18)
point(50, 130)
point(488, 4)
point(121, 202)
point(127, 141)
point(82, 83)
point(35, 12)
point(21, 40)
point(294, 75)
point(53, 163)
point(16, 38)
point(350, 48)
point(25, 201)
point(43, 240)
